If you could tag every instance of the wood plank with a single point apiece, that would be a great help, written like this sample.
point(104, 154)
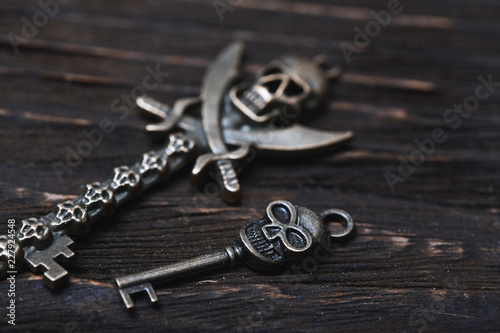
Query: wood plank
point(425, 256)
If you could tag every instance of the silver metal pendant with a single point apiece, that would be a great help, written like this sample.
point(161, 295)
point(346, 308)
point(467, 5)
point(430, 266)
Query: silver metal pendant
point(238, 118)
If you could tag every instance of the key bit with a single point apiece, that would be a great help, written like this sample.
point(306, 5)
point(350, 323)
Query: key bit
point(54, 275)
point(285, 236)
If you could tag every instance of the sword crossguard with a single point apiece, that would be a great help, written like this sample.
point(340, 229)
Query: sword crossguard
point(226, 170)
point(226, 173)
point(169, 116)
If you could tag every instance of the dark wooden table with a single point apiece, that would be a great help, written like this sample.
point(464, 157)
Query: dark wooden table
point(427, 252)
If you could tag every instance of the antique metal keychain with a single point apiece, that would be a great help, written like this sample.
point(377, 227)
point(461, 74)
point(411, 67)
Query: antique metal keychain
point(260, 116)
point(285, 236)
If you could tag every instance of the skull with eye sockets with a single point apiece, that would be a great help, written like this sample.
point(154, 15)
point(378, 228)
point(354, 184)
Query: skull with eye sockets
point(292, 85)
point(34, 232)
point(71, 218)
point(285, 235)
point(9, 251)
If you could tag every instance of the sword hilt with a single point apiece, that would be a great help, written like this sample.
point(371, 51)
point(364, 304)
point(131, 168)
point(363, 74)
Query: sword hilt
point(226, 172)
point(230, 184)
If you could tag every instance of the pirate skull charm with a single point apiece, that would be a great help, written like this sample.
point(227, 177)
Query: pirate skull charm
point(34, 232)
point(70, 217)
point(290, 84)
point(284, 235)
point(98, 199)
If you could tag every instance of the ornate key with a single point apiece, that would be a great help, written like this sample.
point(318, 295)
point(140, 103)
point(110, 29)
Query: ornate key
point(43, 240)
point(285, 236)
point(238, 119)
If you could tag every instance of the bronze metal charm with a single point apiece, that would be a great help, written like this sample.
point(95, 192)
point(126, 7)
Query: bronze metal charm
point(263, 114)
point(285, 236)
point(237, 118)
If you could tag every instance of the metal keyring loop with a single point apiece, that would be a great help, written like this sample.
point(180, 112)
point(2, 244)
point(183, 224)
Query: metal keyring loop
point(342, 217)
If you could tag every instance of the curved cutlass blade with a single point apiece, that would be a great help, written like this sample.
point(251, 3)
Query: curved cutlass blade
point(291, 141)
point(223, 72)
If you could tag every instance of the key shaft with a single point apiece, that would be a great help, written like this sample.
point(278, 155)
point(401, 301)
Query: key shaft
point(228, 256)
point(142, 281)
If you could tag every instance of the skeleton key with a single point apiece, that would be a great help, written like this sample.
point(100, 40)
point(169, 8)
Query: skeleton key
point(42, 241)
point(236, 116)
point(285, 236)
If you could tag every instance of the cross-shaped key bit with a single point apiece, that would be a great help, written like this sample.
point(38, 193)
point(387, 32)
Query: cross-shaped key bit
point(54, 275)
point(238, 119)
point(285, 236)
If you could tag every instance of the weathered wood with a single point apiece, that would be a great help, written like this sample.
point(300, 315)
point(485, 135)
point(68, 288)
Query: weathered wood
point(426, 255)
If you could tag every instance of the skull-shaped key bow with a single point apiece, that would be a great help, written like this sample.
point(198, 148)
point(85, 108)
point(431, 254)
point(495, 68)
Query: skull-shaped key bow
point(285, 236)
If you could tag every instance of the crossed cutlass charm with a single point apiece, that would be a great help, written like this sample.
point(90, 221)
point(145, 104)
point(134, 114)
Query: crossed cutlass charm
point(237, 118)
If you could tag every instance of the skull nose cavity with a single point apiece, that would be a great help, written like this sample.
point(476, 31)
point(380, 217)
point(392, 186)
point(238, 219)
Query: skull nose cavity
point(281, 213)
point(272, 231)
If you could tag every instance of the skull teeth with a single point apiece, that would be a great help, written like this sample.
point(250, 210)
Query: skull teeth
point(259, 242)
point(253, 101)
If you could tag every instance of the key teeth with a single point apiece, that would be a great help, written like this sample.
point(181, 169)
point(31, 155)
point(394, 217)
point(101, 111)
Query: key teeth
point(151, 292)
point(126, 298)
point(127, 291)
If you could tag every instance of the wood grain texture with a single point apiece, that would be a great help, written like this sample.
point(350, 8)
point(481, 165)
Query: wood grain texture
point(426, 256)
